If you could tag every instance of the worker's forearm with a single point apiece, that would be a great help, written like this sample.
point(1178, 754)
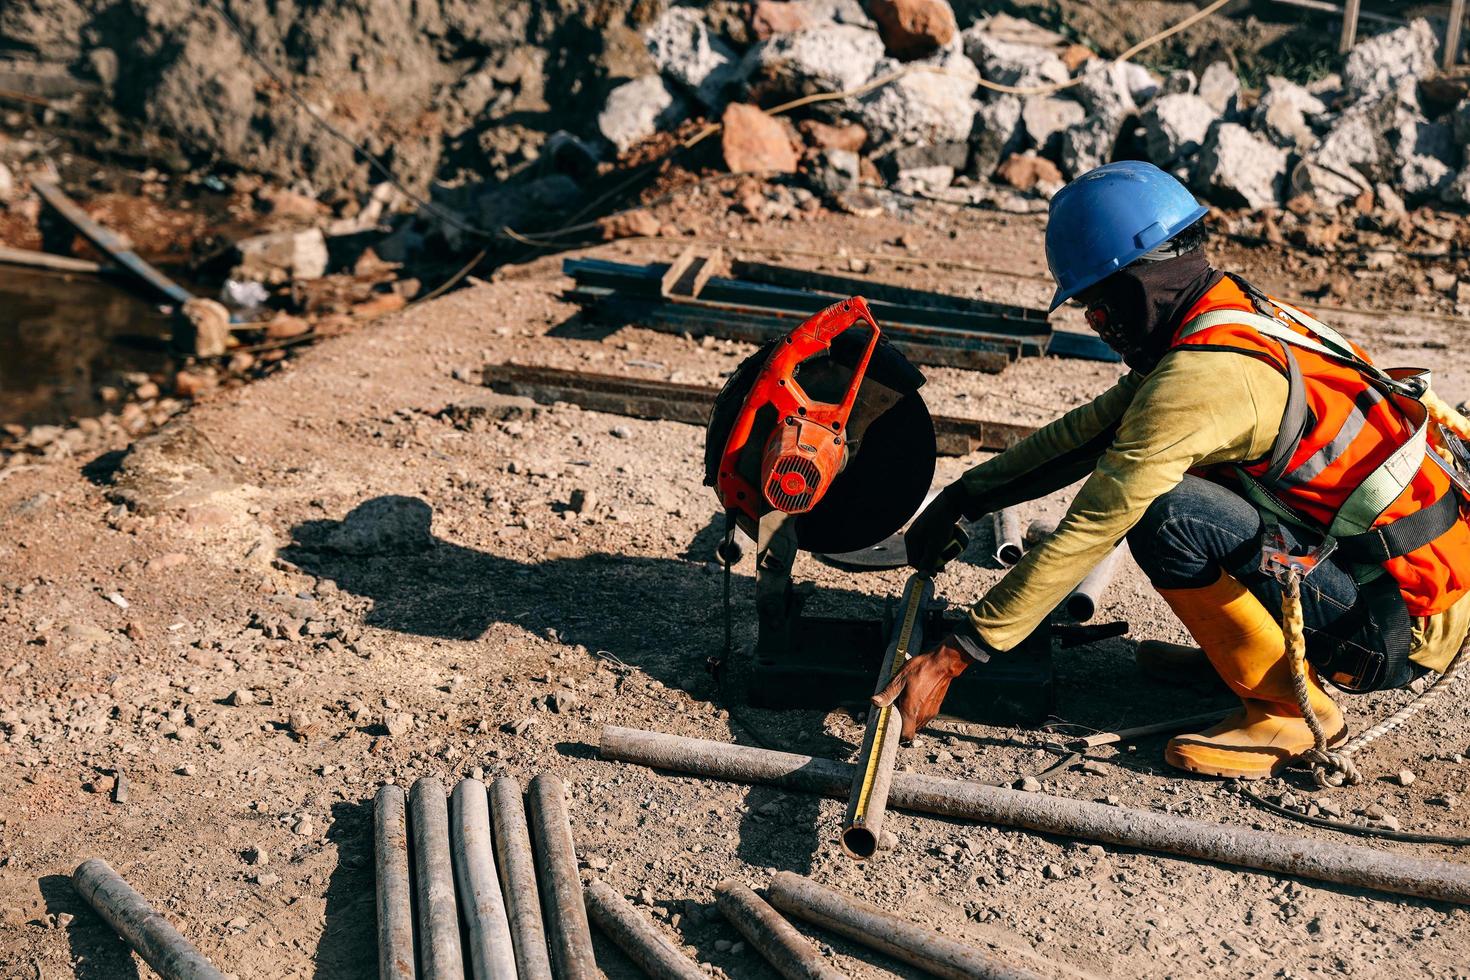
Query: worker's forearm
point(1053, 457)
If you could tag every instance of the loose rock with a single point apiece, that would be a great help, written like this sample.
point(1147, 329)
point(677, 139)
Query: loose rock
point(913, 28)
point(754, 142)
point(636, 110)
point(1238, 167)
point(687, 53)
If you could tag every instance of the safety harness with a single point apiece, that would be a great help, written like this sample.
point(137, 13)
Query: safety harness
point(1354, 533)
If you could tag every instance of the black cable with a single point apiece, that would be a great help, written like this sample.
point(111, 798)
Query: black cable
point(1352, 828)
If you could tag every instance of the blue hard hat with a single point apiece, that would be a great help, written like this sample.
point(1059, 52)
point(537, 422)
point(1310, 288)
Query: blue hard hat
point(1110, 216)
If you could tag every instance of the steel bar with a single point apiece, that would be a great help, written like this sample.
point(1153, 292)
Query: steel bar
point(647, 399)
point(149, 934)
point(646, 281)
point(638, 937)
point(1082, 604)
point(115, 248)
point(1331, 861)
point(777, 940)
point(567, 933)
point(492, 952)
point(31, 259)
point(1335, 9)
point(887, 933)
point(517, 866)
point(440, 956)
point(1008, 543)
point(926, 346)
point(1204, 720)
point(867, 800)
point(394, 892)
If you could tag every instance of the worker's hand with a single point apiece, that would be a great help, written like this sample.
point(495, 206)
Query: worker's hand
point(930, 539)
point(920, 686)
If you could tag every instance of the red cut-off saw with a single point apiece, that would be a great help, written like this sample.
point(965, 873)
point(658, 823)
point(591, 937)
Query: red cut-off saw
point(826, 425)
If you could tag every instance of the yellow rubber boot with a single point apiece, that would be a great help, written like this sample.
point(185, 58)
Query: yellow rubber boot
point(1247, 649)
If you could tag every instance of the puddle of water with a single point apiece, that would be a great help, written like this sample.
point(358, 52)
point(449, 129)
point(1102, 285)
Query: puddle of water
point(59, 342)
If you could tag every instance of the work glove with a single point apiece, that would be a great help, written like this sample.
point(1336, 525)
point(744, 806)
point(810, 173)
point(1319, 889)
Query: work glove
point(935, 536)
point(921, 684)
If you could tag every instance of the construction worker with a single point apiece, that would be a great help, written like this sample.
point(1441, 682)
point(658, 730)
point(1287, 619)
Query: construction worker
point(1241, 419)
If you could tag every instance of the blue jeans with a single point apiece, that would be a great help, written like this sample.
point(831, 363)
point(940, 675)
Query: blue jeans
point(1199, 529)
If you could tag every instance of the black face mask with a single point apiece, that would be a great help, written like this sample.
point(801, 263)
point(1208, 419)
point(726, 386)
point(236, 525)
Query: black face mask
point(1137, 309)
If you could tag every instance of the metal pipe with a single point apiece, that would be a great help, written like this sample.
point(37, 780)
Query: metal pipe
point(440, 957)
point(867, 801)
point(1008, 544)
point(149, 934)
point(1082, 604)
point(1037, 531)
point(637, 936)
point(876, 929)
point(567, 932)
point(784, 948)
point(518, 879)
point(492, 952)
point(395, 900)
point(1262, 850)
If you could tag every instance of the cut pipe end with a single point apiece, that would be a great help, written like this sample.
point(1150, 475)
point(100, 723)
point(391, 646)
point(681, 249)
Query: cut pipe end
point(1009, 554)
point(859, 842)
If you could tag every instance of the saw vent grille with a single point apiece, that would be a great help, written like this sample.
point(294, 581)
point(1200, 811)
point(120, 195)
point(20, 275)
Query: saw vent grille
point(793, 484)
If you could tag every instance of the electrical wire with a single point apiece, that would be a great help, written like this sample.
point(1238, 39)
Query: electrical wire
point(1362, 830)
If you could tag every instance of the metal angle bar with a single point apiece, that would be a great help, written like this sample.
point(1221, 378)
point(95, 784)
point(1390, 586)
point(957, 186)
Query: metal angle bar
point(677, 402)
point(132, 918)
point(881, 292)
point(777, 940)
point(567, 932)
point(925, 349)
point(1262, 850)
point(1349, 34)
point(109, 243)
point(637, 937)
point(491, 949)
point(517, 867)
point(394, 889)
point(646, 282)
point(440, 957)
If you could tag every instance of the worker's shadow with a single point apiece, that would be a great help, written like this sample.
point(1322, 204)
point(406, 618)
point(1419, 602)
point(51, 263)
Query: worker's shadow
point(660, 615)
point(95, 949)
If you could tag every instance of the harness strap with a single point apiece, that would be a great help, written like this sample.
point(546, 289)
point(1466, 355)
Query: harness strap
point(1407, 534)
point(1294, 419)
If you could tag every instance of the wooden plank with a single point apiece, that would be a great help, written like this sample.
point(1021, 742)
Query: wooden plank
point(111, 244)
point(1349, 34)
point(675, 402)
point(1452, 33)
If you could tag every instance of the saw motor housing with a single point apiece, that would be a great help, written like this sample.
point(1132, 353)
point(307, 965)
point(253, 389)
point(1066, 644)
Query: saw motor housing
point(807, 446)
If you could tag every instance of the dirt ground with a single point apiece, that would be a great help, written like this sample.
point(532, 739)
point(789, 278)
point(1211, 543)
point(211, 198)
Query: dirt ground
point(237, 650)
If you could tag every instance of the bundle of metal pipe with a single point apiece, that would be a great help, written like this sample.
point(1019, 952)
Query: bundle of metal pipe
point(132, 918)
point(438, 914)
point(876, 929)
point(517, 867)
point(395, 903)
point(1331, 861)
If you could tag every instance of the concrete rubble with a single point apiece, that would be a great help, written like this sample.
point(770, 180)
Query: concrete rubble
point(636, 110)
point(1240, 167)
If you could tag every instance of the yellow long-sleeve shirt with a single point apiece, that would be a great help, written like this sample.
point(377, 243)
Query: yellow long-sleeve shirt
point(1196, 409)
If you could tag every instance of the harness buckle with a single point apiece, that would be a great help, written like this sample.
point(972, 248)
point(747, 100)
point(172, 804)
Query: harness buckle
point(1278, 561)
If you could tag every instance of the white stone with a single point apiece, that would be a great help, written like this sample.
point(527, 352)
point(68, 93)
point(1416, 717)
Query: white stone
point(1088, 144)
point(923, 106)
point(636, 110)
point(1045, 116)
point(832, 58)
point(1376, 66)
point(1423, 156)
point(282, 255)
point(687, 53)
point(1175, 126)
point(996, 134)
point(1009, 63)
point(1220, 87)
point(1238, 167)
point(1285, 113)
point(1104, 91)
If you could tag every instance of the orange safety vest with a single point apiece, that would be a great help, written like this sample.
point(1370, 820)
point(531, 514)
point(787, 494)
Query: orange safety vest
point(1351, 460)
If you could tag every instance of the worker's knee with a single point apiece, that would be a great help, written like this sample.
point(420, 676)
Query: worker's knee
point(1190, 534)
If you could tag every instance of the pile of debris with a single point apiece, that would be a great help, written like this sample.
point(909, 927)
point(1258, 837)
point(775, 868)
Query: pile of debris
point(925, 115)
